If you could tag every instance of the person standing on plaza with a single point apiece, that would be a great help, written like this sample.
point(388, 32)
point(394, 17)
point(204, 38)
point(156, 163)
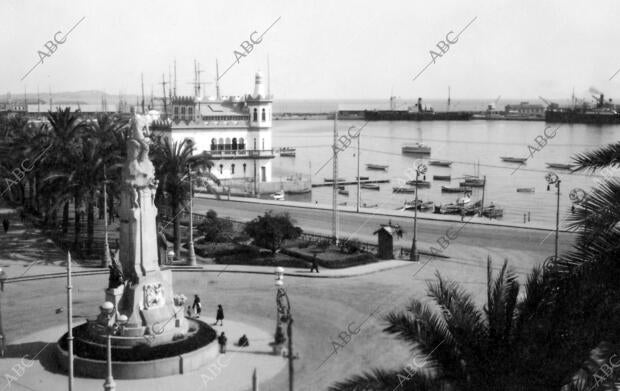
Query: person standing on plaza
point(220, 315)
point(315, 265)
point(221, 340)
point(197, 306)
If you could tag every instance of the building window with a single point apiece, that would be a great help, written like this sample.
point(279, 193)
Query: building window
point(183, 113)
point(255, 115)
point(190, 113)
point(213, 144)
point(241, 144)
point(244, 167)
point(221, 168)
point(263, 115)
point(232, 169)
point(227, 146)
point(234, 143)
point(263, 143)
point(176, 113)
point(254, 143)
point(220, 144)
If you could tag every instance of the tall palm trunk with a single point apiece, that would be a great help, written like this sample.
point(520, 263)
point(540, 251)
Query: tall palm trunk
point(90, 228)
point(65, 218)
point(177, 229)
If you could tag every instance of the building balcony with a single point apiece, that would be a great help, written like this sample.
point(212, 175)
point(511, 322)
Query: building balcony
point(243, 153)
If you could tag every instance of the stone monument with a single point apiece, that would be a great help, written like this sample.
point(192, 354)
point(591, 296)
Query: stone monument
point(143, 320)
point(146, 295)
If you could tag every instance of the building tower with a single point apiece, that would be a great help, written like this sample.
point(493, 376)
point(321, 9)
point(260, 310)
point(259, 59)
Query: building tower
point(259, 131)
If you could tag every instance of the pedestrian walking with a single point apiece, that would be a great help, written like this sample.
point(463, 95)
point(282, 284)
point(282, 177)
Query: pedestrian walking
point(221, 340)
point(5, 225)
point(197, 307)
point(189, 311)
point(315, 265)
point(220, 315)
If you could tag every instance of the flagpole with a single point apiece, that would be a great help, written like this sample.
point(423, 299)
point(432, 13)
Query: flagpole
point(69, 321)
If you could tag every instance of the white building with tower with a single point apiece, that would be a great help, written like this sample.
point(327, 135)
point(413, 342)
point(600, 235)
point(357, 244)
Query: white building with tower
point(235, 130)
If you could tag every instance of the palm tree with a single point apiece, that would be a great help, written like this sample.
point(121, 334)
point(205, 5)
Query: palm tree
point(172, 161)
point(516, 342)
point(64, 136)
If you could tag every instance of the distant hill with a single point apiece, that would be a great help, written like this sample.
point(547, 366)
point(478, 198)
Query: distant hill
point(91, 97)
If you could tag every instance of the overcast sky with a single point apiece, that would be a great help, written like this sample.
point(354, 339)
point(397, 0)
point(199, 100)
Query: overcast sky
point(318, 49)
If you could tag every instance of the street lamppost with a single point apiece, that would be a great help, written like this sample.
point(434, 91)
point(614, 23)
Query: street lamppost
point(3, 339)
point(284, 316)
point(107, 259)
point(192, 253)
point(420, 169)
point(553, 179)
point(108, 310)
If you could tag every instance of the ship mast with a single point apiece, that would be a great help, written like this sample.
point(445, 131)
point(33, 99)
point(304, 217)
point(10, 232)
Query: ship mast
point(217, 81)
point(142, 84)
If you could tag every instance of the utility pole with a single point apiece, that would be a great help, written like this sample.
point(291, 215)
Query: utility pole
point(484, 185)
point(335, 182)
point(142, 79)
point(107, 259)
point(69, 322)
point(358, 173)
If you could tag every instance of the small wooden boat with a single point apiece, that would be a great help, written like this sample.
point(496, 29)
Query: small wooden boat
point(417, 148)
point(287, 152)
point(332, 179)
point(442, 163)
point(362, 178)
point(411, 205)
point(452, 189)
point(525, 189)
point(442, 177)
point(340, 187)
point(342, 203)
point(472, 182)
point(401, 189)
point(510, 159)
point(343, 192)
point(421, 205)
point(370, 186)
point(371, 166)
point(419, 183)
point(427, 205)
point(301, 191)
point(278, 195)
point(492, 211)
point(365, 205)
point(561, 166)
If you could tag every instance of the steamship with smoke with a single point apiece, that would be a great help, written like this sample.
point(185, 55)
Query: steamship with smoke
point(602, 112)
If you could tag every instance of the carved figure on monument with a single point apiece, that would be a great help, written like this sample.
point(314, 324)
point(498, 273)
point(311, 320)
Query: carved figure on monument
point(116, 272)
point(138, 211)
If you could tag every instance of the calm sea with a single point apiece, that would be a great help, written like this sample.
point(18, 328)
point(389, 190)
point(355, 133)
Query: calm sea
point(474, 146)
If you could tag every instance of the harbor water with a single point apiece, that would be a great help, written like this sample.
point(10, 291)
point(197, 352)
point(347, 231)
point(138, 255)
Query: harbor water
point(474, 147)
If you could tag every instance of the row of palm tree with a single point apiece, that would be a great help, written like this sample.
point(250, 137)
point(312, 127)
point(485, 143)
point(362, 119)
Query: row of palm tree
point(80, 155)
point(558, 331)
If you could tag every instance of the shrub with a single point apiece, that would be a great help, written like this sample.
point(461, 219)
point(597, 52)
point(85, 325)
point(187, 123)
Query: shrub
point(350, 246)
point(215, 229)
point(324, 244)
point(271, 230)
